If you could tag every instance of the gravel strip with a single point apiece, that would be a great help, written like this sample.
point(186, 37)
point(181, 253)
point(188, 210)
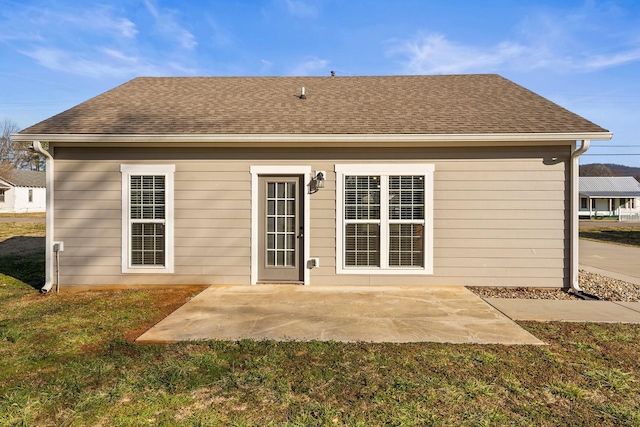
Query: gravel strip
point(608, 289)
point(605, 288)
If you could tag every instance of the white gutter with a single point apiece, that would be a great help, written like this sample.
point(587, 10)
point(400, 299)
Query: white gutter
point(48, 283)
point(575, 199)
point(505, 138)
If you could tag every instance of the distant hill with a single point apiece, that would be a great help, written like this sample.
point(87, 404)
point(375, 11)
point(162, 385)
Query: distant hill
point(609, 169)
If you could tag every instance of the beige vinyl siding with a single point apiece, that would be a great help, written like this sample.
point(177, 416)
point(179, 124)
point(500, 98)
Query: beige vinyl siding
point(212, 222)
point(500, 214)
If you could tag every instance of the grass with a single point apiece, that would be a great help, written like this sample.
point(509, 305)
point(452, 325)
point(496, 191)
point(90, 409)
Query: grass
point(21, 229)
point(26, 266)
point(23, 215)
point(69, 360)
point(623, 235)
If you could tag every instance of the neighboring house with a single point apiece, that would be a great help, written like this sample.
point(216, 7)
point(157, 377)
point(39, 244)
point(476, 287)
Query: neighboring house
point(396, 180)
point(22, 191)
point(610, 196)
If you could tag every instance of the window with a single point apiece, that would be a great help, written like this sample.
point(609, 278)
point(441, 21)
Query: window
point(2, 196)
point(147, 215)
point(31, 195)
point(593, 203)
point(583, 203)
point(384, 219)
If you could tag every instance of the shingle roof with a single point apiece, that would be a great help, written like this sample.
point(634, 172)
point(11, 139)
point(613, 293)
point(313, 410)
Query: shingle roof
point(23, 178)
point(442, 104)
point(609, 186)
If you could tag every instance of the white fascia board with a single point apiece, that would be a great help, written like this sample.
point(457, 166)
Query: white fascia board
point(320, 139)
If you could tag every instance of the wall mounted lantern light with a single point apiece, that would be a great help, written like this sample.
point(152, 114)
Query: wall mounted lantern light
point(317, 182)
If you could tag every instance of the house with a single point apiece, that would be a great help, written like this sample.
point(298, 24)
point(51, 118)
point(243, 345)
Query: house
point(22, 191)
point(610, 196)
point(394, 180)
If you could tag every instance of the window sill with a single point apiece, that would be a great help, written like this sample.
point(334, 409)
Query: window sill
point(389, 271)
point(147, 270)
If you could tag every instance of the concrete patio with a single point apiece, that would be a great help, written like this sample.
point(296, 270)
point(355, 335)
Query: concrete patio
point(348, 314)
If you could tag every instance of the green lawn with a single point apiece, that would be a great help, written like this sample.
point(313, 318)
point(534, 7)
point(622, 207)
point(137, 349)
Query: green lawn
point(623, 235)
point(70, 360)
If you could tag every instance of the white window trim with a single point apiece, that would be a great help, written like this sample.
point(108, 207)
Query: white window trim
point(256, 171)
point(425, 170)
point(168, 171)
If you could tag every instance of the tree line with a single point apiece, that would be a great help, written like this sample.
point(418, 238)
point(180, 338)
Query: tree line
point(14, 154)
point(609, 169)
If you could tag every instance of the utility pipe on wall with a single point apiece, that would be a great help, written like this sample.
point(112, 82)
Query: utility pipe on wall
point(49, 264)
point(575, 199)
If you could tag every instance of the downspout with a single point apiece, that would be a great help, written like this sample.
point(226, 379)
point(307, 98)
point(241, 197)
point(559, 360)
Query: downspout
point(49, 264)
point(575, 198)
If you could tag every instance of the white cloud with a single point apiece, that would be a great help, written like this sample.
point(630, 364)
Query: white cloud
point(98, 41)
point(127, 28)
point(218, 35)
point(582, 39)
point(8, 34)
point(169, 27)
point(103, 63)
point(434, 53)
point(310, 66)
point(119, 55)
point(40, 24)
point(153, 10)
point(603, 61)
point(300, 9)
point(265, 66)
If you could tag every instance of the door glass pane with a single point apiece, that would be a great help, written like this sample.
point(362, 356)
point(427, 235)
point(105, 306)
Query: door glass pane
point(281, 224)
point(290, 258)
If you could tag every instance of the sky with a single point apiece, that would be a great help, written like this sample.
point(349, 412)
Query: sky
point(583, 55)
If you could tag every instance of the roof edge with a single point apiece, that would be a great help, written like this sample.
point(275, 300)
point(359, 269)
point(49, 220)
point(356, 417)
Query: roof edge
point(313, 138)
point(613, 194)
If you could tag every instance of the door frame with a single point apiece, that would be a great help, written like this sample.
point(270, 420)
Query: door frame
point(283, 170)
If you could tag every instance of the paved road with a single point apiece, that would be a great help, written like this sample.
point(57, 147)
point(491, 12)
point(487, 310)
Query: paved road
point(616, 261)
